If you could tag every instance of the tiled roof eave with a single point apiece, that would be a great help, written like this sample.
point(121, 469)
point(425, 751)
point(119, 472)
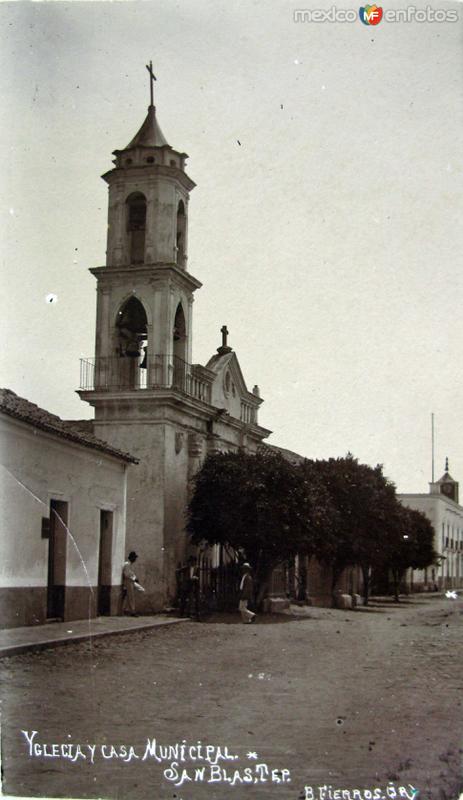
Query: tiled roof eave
point(68, 434)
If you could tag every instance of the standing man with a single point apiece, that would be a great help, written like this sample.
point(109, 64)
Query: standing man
point(129, 580)
point(246, 594)
point(189, 589)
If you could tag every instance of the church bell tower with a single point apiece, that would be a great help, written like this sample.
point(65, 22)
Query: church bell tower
point(145, 294)
point(148, 397)
point(150, 400)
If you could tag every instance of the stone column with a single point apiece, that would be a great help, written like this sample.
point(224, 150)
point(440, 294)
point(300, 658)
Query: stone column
point(103, 339)
point(186, 201)
point(150, 225)
point(116, 229)
point(189, 323)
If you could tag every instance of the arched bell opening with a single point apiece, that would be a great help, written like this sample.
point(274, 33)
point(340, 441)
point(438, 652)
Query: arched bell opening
point(179, 334)
point(136, 227)
point(132, 343)
point(181, 234)
point(180, 348)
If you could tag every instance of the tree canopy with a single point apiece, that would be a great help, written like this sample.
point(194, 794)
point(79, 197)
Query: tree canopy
point(259, 504)
point(365, 504)
point(345, 513)
point(413, 546)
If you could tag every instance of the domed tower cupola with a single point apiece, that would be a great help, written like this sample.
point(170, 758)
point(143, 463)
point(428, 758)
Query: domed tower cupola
point(149, 146)
point(148, 198)
point(446, 485)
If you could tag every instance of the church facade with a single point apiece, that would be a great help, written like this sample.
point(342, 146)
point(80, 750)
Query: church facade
point(149, 399)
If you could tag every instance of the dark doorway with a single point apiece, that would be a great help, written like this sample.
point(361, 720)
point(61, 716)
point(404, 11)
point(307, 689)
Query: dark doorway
point(57, 559)
point(105, 563)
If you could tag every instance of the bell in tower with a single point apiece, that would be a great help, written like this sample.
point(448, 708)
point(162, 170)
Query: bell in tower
point(131, 323)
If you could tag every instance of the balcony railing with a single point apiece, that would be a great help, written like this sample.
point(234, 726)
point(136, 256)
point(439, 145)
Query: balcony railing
point(248, 413)
point(119, 373)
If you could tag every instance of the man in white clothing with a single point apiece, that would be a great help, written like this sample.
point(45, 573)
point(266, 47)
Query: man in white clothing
point(128, 585)
point(246, 594)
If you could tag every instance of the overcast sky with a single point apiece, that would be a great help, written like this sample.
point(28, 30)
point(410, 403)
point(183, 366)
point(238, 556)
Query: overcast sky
point(325, 225)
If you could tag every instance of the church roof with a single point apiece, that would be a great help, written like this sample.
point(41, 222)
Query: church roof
point(19, 408)
point(446, 478)
point(219, 359)
point(289, 455)
point(150, 134)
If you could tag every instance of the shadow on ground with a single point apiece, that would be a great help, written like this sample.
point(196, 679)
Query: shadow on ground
point(232, 618)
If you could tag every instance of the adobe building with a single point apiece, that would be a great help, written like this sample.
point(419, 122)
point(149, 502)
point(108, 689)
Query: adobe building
point(63, 499)
point(148, 396)
point(441, 506)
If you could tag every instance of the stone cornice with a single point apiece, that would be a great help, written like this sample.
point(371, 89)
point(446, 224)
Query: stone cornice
point(158, 270)
point(252, 399)
point(151, 172)
point(204, 373)
point(250, 428)
point(163, 402)
point(158, 399)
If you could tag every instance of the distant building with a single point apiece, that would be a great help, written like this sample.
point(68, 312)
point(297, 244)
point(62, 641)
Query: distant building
point(441, 506)
point(63, 500)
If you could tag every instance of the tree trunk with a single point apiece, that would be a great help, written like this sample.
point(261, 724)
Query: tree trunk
point(366, 582)
point(335, 573)
point(398, 575)
point(261, 593)
point(263, 579)
point(395, 579)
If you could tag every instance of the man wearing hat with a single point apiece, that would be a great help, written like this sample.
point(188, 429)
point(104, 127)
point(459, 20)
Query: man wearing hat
point(189, 587)
point(246, 594)
point(129, 579)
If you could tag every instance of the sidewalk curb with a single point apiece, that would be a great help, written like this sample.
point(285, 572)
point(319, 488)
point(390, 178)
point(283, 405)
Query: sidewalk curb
point(25, 647)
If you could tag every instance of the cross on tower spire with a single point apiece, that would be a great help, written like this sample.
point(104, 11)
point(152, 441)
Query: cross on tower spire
point(149, 67)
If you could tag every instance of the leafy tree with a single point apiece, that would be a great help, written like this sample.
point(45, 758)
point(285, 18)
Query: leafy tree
point(259, 504)
point(342, 512)
point(365, 504)
point(414, 546)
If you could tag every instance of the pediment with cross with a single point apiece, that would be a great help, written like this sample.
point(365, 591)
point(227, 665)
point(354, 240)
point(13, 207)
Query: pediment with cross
point(229, 390)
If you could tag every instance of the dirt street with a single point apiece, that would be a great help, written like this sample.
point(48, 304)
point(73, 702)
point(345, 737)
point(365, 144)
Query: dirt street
point(369, 699)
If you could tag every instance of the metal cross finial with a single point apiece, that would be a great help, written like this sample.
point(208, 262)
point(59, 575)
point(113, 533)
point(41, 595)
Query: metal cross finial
point(224, 332)
point(152, 79)
point(447, 464)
